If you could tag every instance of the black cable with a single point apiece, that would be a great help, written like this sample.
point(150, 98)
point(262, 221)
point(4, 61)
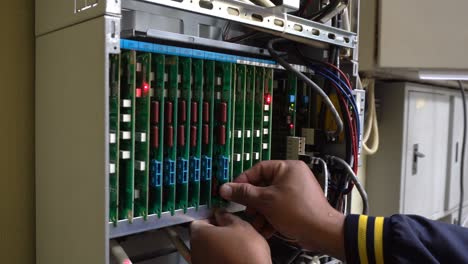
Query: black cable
point(309, 82)
point(225, 31)
point(462, 165)
point(294, 257)
point(303, 8)
point(324, 11)
point(333, 58)
point(357, 183)
point(153, 255)
point(348, 135)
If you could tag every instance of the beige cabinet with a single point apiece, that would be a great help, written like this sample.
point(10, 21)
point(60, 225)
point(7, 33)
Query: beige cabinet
point(427, 34)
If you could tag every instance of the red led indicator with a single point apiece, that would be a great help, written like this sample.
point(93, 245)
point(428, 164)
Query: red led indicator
point(138, 93)
point(267, 98)
point(291, 126)
point(145, 88)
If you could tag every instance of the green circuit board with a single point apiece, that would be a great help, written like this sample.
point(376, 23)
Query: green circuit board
point(180, 127)
point(127, 129)
point(142, 112)
point(114, 111)
point(196, 110)
point(157, 78)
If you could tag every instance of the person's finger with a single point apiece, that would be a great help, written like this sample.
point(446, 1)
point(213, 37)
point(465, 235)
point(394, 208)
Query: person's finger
point(227, 219)
point(243, 193)
point(250, 211)
point(198, 225)
point(259, 222)
point(267, 231)
point(261, 172)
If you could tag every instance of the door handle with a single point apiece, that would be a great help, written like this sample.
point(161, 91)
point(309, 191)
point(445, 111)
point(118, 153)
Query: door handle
point(416, 155)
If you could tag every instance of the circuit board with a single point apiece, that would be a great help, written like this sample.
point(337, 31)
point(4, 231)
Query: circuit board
point(127, 130)
point(114, 111)
point(183, 122)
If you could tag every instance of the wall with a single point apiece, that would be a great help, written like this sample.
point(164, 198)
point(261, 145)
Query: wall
point(17, 241)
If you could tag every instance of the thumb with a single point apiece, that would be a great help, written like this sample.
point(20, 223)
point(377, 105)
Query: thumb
point(227, 219)
point(242, 193)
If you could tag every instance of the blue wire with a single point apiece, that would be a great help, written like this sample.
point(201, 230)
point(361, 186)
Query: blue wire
point(337, 76)
point(347, 91)
point(349, 97)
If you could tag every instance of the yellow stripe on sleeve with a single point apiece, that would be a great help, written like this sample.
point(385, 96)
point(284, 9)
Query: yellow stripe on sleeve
point(378, 240)
point(362, 243)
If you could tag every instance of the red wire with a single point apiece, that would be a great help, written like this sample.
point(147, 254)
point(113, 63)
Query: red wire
point(354, 141)
point(353, 129)
point(354, 126)
point(341, 73)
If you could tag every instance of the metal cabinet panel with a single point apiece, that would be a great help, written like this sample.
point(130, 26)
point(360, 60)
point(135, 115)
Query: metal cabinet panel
point(426, 153)
point(71, 145)
point(52, 15)
point(422, 34)
point(428, 34)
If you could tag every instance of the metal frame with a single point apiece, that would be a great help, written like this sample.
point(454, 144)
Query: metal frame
point(72, 64)
point(138, 225)
point(72, 142)
point(52, 15)
point(266, 19)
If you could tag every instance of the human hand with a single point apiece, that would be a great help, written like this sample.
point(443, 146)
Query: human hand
point(230, 241)
point(287, 195)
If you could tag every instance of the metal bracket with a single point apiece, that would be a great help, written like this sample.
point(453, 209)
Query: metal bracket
point(266, 19)
point(124, 227)
point(112, 35)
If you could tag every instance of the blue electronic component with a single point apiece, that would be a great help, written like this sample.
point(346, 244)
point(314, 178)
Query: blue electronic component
point(292, 98)
point(194, 169)
point(191, 53)
point(206, 168)
point(156, 173)
point(182, 168)
point(224, 168)
point(169, 172)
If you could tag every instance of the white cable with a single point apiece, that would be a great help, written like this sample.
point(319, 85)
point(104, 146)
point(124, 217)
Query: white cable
point(371, 128)
point(264, 3)
point(367, 84)
point(119, 253)
point(357, 183)
point(346, 20)
point(326, 175)
point(184, 251)
point(247, 2)
point(465, 222)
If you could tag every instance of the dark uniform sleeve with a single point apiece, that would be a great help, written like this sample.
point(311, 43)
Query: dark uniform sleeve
point(403, 239)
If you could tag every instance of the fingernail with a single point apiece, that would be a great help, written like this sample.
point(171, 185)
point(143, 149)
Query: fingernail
point(226, 191)
point(194, 225)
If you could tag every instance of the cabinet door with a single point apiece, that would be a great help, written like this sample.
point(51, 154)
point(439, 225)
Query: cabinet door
point(426, 154)
point(454, 158)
